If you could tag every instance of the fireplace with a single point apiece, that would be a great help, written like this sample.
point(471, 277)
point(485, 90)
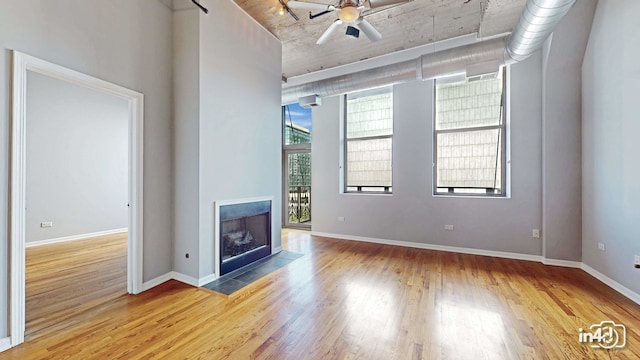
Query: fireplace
point(243, 233)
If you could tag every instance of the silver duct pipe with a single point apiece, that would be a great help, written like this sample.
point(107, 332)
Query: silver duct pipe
point(537, 22)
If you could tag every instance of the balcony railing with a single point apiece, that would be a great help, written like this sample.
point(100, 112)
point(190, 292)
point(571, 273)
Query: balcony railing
point(299, 204)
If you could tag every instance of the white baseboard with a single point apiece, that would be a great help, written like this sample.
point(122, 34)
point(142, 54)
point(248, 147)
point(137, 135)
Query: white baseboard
point(635, 297)
point(461, 250)
point(5, 344)
point(157, 281)
point(184, 278)
point(171, 275)
point(74, 237)
point(563, 263)
point(207, 279)
point(276, 250)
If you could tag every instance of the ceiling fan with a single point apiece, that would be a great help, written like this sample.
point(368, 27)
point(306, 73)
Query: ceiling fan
point(350, 12)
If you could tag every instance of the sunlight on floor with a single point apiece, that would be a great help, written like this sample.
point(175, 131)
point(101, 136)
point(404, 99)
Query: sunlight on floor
point(372, 310)
point(481, 330)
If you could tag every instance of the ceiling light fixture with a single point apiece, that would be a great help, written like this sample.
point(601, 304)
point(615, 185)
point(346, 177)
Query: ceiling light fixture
point(348, 14)
point(281, 11)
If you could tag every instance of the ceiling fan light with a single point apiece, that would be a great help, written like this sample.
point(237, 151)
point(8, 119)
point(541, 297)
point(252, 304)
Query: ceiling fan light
point(348, 13)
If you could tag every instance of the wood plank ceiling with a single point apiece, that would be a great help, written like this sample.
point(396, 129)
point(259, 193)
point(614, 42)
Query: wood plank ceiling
point(403, 26)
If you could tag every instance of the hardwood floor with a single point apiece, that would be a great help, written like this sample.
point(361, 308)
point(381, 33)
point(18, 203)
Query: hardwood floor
point(72, 277)
point(354, 300)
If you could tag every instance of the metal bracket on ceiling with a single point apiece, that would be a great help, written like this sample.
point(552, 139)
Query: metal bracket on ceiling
point(288, 10)
point(200, 6)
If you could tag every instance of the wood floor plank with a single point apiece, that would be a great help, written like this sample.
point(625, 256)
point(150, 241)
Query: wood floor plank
point(346, 300)
point(68, 278)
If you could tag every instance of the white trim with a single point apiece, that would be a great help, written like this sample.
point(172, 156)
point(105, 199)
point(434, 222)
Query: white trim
point(276, 250)
point(563, 263)
point(23, 63)
point(174, 275)
point(157, 281)
point(461, 250)
point(74, 237)
point(5, 343)
point(634, 296)
point(207, 279)
point(185, 278)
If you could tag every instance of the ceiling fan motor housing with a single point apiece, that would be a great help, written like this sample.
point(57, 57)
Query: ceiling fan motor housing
point(348, 11)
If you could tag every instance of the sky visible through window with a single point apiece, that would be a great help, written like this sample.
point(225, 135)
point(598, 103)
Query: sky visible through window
point(299, 116)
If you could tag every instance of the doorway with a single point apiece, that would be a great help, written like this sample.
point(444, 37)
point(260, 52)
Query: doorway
point(298, 188)
point(296, 165)
point(23, 66)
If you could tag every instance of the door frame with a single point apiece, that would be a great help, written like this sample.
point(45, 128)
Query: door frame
point(289, 150)
point(22, 63)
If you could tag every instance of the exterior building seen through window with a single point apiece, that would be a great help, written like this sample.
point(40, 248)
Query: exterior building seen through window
point(297, 128)
point(297, 124)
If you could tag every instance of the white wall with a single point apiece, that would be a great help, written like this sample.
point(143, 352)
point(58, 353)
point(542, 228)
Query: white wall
point(412, 213)
point(121, 41)
point(610, 146)
point(76, 159)
point(237, 132)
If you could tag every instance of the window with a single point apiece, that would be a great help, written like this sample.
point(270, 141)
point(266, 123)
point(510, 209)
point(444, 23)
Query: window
point(368, 141)
point(296, 153)
point(297, 124)
point(469, 137)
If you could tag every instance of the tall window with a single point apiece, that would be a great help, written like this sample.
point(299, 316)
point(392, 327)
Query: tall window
point(469, 137)
point(297, 129)
point(368, 141)
point(296, 124)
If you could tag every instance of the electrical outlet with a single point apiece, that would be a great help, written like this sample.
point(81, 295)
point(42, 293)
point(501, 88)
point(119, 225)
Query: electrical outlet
point(46, 224)
point(340, 218)
point(601, 247)
point(636, 261)
point(535, 233)
point(448, 227)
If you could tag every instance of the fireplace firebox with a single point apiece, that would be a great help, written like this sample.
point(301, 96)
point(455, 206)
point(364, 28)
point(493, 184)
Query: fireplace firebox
point(244, 234)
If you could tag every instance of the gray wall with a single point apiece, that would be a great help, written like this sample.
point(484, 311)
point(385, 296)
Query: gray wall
point(562, 201)
point(412, 213)
point(186, 157)
point(124, 42)
point(232, 147)
point(610, 146)
point(77, 148)
point(545, 125)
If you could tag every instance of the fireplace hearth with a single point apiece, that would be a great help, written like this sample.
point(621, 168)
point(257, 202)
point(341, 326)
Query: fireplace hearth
point(244, 233)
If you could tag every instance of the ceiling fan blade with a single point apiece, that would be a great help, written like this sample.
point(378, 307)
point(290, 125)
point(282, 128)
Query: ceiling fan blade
point(379, 3)
point(309, 6)
point(368, 29)
point(325, 36)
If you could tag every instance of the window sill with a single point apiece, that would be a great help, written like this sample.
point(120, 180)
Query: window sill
point(470, 196)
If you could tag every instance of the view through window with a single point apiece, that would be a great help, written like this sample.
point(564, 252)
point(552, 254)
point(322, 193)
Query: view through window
point(297, 128)
point(469, 131)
